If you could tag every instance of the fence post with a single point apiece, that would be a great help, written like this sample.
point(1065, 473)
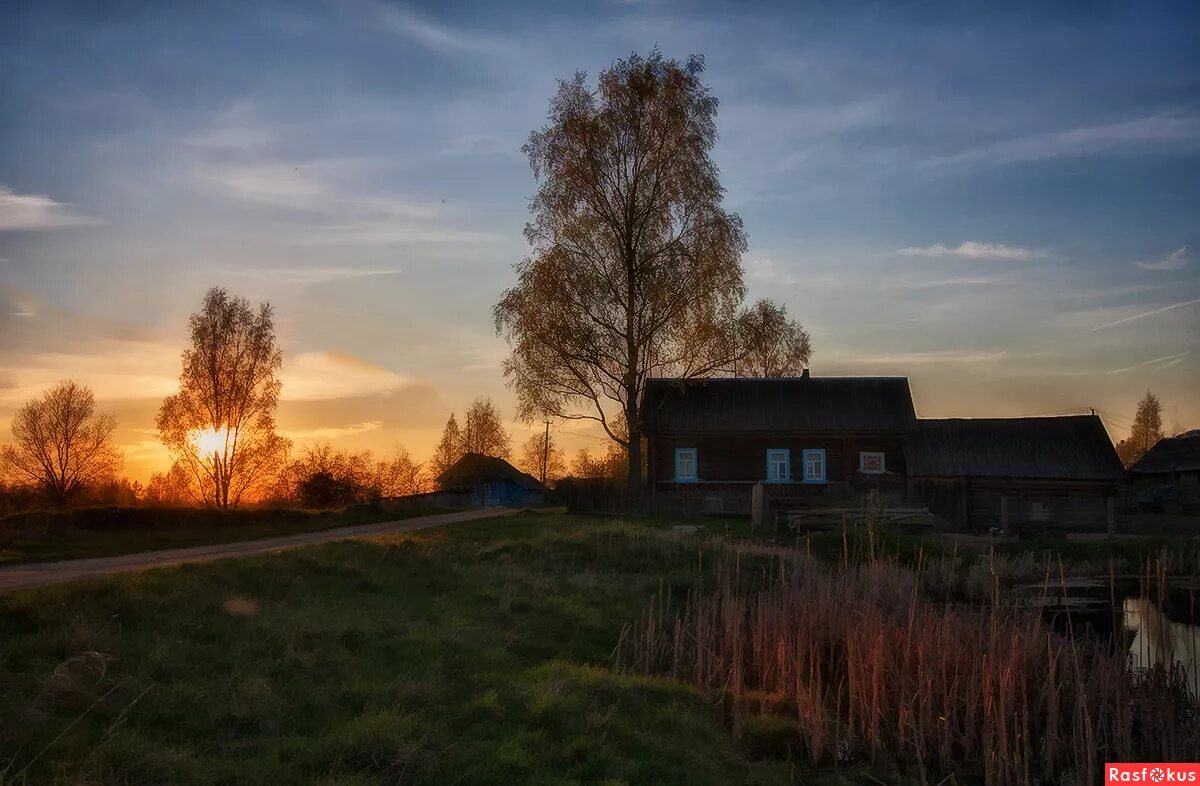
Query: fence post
point(758, 507)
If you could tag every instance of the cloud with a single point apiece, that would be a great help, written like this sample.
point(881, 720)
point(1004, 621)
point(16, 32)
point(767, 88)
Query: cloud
point(936, 356)
point(481, 144)
point(1156, 133)
point(332, 213)
point(321, 376)
point(334, 432)
point(1165, 361)
point(970, 250)
point(1147, 314)
point(1173, 261)
point(387, 232)
point(960, 281)
point(38, 211)
point(236, 128)
point(436, 36)
point(765, 269)
point(305, 276)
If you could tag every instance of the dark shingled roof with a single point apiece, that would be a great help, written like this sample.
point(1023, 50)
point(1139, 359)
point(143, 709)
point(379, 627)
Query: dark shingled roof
point(475, 468)
point(1170, 454)
point(779, 404)
point(1075, 447)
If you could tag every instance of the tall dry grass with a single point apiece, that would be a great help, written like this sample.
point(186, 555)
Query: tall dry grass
point(870, 668)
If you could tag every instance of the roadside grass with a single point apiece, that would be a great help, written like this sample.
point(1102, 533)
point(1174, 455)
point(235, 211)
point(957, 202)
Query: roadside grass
point(477, 653)
point(49, 537)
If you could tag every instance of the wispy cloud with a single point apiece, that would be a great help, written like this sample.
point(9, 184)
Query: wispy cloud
point(235, 129)
point(960, 281)
point(334, 212)
point(305, 276)
point(1165, 361)
point(970, 249)
point(435, 35)
point(1145, 314)
point(1173, 261)
point(38, 211)
point(936, 356)
point(1154, 133)
point(765, 269)
point(335, 432)
point(321, 376)
point(481, 144)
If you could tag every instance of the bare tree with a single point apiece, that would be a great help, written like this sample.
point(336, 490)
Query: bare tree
point(484, 432)
point(398, 476)
point(543, 458)
point(61, 445)
point(1146, 432)
point(220, 426)
point(636, 268)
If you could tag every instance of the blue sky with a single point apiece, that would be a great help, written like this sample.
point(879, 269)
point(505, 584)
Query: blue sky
point(1003, 204)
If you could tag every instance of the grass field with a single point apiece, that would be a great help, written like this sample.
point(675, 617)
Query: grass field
point(48, 537)
point(478, 653)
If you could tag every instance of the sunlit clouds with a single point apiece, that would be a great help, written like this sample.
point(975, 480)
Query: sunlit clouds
point(970, 250)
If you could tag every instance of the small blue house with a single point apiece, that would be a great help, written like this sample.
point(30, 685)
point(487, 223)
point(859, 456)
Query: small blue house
point(492, 482)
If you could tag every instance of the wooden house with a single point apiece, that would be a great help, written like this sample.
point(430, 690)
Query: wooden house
point(1042, 473)
point(1173, 461)
point(491, 482)
point(807, 439)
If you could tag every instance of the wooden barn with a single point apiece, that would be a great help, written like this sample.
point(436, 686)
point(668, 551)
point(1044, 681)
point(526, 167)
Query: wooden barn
point(1174, 462)
point(491, 482)
point(1015, 473)
point(807, 439)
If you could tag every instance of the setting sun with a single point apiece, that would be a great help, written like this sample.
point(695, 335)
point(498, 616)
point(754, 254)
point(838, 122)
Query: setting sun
point(210, 440)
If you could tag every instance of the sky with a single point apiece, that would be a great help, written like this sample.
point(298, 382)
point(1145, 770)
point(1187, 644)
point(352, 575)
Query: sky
point(1001, 203)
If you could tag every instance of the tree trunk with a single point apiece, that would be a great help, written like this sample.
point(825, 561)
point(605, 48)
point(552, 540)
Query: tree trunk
point(634, 476)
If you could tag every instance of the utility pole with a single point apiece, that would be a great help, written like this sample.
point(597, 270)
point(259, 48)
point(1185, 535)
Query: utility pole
point(545, 451)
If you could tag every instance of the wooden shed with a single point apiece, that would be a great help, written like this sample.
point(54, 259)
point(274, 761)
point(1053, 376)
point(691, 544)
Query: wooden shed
point(491, 482)
point(1015, 473)
point(1173, 461)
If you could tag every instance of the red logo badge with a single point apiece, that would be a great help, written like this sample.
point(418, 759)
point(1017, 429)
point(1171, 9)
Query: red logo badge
point(1156, 772)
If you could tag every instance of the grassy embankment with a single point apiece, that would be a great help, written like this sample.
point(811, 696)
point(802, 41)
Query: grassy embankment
point(482, 653)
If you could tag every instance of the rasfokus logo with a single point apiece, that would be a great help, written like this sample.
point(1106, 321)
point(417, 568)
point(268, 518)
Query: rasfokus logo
point(1157, 772)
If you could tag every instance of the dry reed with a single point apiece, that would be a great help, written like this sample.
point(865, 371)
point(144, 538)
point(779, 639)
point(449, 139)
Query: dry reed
point(870, 668)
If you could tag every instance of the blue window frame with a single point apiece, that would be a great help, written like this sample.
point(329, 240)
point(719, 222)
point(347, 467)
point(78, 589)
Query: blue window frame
point(685, 465)
point(814, 465)
point(779, 465)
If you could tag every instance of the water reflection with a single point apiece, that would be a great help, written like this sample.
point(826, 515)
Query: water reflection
point(1159, 640)
point(1158, 626)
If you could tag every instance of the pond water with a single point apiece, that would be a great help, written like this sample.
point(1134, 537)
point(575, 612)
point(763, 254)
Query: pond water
point(1155, 622)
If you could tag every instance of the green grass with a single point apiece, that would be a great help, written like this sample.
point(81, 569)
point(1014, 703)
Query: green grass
point(478, 653)
point(61, 536)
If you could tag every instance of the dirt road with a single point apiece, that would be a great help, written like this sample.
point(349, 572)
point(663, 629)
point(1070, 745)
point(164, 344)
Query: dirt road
point(40, 574)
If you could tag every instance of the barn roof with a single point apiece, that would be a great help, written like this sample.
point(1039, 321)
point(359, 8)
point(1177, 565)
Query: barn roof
point(1075, 447)
point(779, 404)
point(475, 468)
point(1170, 454)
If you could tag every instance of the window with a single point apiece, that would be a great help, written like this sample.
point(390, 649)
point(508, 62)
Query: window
point(487, 489)
point(779, 466)
point(814, 465)
point(871, 463)
point(685, 464)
